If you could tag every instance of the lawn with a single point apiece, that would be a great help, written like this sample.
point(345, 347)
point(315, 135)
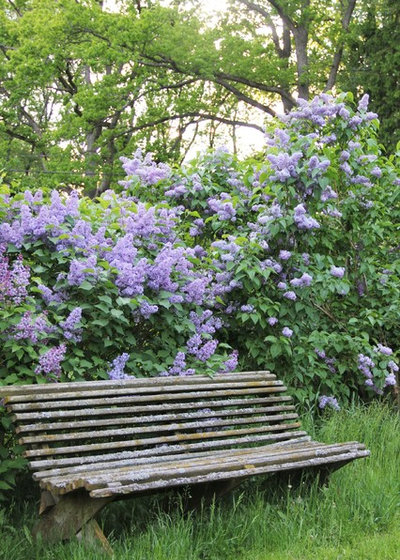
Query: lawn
point(356, 517)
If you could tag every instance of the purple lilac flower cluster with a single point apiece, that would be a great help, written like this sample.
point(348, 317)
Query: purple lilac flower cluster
point(302, 220)
point(50, 362)
point(117, 370)
point(13, 280)
point(337, 271)
point(32, 328)
point(304, 281)
point(223, 207)
point(179, 367)
point(286, 331)
point(70, 327)
point(325, 401)
point(231, 363)
point(201, 345)
point(144, 168)
point(284, 165)
point(328, 361)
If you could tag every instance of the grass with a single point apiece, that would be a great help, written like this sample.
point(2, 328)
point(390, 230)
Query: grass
point(356, 517)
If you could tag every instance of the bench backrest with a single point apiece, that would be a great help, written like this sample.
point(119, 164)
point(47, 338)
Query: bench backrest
point(67, 425)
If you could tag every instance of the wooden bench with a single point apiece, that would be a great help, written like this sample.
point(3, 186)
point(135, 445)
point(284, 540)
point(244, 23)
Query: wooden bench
point(93, 442)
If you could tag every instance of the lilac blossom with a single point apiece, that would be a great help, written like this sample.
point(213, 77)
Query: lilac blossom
point(130, 278)
point(50, 296)
point(118, 366)
point(376, 171)
point(287, 332)
point(328, 401)
point(69, 326)
point(290, 295)
point(146, 309)
point(271, 263)
point(231, 363)
point(304, 281)
point(365, 365)
point(361, 180)
point(13, 280)
point(179, 367)
point(284, 255)
point(282, 285)
point(363, 103)
point(284, 165)
point(145, 169)
point(50, 361)
point(176, 191)
point(247, 308)
point(302, 221)
point(32, 328)
point(80, 270)
point(353, 145)
point(272, 321)
point(223, 207)
point(393, 366)
point(383, 349)
point(346, 168)
point(196, 290)
point(197, 227)
point(390, 380)
point(207, 350)
point(337, 271)
point(328, 193)
point(334, 212)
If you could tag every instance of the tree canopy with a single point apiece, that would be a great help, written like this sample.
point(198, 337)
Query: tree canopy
point(81, 85)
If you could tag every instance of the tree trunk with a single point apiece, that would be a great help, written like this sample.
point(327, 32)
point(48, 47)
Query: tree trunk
point(301, 42)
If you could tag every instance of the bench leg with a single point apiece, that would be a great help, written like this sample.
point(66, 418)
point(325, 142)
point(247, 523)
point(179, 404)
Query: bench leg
point(210, 490)
point(69, 516)
point(295, 478)
point(92, 535)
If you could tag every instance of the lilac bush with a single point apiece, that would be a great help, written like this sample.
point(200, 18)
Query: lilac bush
point(216, 265)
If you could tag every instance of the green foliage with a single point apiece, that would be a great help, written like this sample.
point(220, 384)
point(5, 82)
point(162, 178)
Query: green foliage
point(372, 63)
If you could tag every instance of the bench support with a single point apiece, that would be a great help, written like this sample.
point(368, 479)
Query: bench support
point(73, 514)
point(209, 491)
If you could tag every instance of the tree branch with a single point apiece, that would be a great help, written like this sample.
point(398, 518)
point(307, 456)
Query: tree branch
point(262, 11)
point(202, 116)
point(257, 85)
point(339, 51)
point(243, 97)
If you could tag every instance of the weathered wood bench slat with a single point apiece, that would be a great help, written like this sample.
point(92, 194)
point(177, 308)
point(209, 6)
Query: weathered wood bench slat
point(91, 442)
point(76, 403)
point(119, 444)
point(106, 409)
point(181, 427)
point(124, 461)
point(188, 464)
point(137, 382)
point(135, 420)
point(79, 392)
point(225, 475)
point(207, 465)
point(162, 450)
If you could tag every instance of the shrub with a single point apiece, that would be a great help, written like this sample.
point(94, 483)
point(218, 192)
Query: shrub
point(288, 262)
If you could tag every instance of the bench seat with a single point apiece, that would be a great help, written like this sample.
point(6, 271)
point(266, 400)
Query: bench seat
point(107, 439)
